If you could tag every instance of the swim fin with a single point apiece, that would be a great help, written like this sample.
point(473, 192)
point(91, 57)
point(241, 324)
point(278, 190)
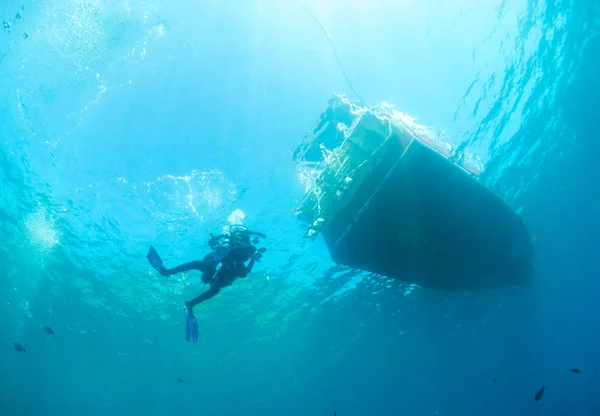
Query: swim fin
point(155, 260)
point(191, 326)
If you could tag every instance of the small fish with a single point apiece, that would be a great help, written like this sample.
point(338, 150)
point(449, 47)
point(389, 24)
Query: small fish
point(48, 330)
point(180, 380)
point(494, 380)
point(19, 347)
point(575, 370)
point(540, 393)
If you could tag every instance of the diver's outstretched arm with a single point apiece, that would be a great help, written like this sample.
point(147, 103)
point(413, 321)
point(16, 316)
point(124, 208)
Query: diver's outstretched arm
point(250, 266)
point(255, 257)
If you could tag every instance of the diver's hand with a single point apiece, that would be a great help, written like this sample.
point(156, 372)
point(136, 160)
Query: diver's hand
point(258, 255)
point(213, 241)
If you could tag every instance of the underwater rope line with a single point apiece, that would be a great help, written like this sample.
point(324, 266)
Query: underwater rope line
point(339, 62)
point(337, 57)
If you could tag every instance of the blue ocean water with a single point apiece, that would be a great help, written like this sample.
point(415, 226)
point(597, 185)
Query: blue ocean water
point(130, 123)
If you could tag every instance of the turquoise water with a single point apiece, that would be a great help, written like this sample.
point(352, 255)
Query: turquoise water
point(130, 123)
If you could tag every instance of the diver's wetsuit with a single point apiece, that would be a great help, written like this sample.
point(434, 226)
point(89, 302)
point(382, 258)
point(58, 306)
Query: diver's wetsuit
point(230, 251)
point(232, 267)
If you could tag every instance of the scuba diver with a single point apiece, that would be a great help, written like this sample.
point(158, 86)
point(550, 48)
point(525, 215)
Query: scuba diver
point(226, 262)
